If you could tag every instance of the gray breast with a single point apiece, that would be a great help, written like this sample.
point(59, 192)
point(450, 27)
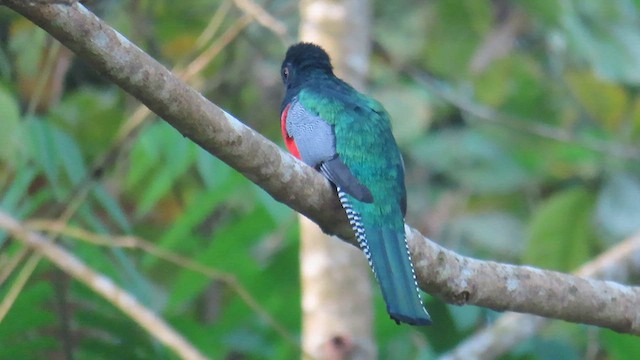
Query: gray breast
point(313, 136)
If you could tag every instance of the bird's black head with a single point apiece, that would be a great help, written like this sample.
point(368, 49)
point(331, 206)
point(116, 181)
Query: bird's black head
point(304, 59)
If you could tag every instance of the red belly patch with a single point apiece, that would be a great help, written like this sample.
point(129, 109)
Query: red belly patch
point(288, 140)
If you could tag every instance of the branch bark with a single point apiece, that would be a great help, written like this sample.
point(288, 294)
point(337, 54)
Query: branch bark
point(456, 279)
point(462, 280)
point(618, 263)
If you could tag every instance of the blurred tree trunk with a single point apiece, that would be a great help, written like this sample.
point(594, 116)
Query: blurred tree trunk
point(336, 280)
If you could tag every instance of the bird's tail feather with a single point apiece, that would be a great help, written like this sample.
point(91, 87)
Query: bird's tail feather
point(388, 255)
point(392, 265)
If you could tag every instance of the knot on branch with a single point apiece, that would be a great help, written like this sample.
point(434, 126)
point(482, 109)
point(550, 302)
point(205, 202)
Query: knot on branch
point(461, 298)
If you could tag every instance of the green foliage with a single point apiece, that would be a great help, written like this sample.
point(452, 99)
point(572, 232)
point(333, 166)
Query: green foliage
point(617, 209)
point(10, 134)
point(164, 156)
point(561, 231)
point(470, 160)
point(511, 192)
point(548, 176)
point(454, 31)
point(102, 106)
point(406, 101)
point(620, 346)
point(22, 331)
point(606, 35)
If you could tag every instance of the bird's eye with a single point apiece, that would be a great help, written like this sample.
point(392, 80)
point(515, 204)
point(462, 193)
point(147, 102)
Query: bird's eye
point(285, 73)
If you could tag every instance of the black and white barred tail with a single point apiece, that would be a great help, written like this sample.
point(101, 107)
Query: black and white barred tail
point(387, 252)
point(356, 224)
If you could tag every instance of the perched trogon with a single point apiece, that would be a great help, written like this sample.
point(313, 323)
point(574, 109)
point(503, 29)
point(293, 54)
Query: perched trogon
point(347, 137)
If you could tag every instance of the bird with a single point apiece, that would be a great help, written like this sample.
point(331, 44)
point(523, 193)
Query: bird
point(347, 137)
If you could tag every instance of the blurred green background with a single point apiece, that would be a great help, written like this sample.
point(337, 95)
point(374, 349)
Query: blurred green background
point(519, 122)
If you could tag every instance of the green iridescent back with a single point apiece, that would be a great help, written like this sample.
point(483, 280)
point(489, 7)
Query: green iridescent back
point(374, 159)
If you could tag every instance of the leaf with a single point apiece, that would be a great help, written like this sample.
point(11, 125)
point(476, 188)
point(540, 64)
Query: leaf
point(604, 101)
point(561, 233)
point(618, 205)
point(605, 34)
point(227, 251)
point(175, 155)
point(552, 349)
point(17, 189)
point(249, 342)
point(44, 151)
point(620, 346)
point(112, 208)
point(405, 39)
point(548, 12)
point(24, 328)
point(136, 282)
point(455, 35)
point(27, 44)
point(5, 64)
point(69, 153)
point(18, 201)
point(471, 159)
point(517, 86)
point(107, 334)
point(91, 116)
point(196, 212)
point(466, 317)
point(35, 201)
point(211, 169)
point(11, 136)
point(497, 234)
point(409, 109)
point(91, 219)
point(279, 212)
point(158, 187)
point(144, 157)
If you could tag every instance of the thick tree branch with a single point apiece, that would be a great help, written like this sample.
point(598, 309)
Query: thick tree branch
point(619, 263)
point(462, 280)
point(103, 286)
point(114, 57)
point(455, 278)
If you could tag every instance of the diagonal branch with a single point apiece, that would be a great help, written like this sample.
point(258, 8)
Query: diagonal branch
point(441, 272)
point(112, 55)
point(134, 242)
point(463, 280)
point(620, 262)
point(103, 286)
